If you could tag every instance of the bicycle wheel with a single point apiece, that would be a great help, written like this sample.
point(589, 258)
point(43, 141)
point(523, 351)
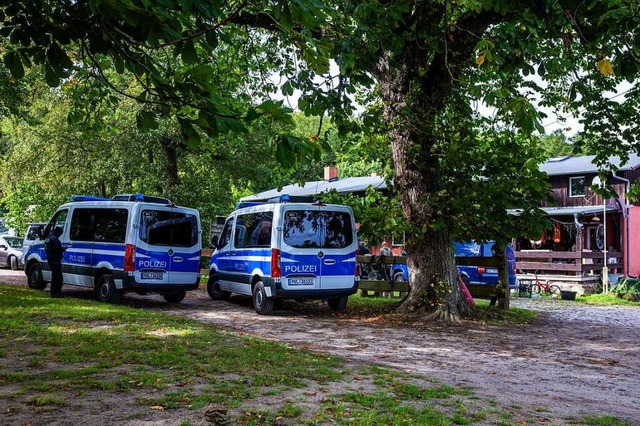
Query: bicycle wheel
point(554, 289)
point(535, 289)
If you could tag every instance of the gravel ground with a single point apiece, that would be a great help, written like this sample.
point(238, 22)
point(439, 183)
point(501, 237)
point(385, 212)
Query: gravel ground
point(576, 361)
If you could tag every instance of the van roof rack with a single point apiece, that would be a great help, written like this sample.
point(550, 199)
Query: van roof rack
point(141, 197)
point(77, 198)
point(284, 198)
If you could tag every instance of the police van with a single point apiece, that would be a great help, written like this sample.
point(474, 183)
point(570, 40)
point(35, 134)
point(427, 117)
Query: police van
point(286, 250)
point(130, 242)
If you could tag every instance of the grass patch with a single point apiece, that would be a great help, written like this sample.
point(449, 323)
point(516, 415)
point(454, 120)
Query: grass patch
point(601, 421)
point(57, 351)
point(605, 300)
point(484, 312)
point(75, 345)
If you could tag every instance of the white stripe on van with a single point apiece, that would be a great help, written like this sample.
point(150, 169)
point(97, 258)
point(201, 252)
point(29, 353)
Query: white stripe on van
point(251, 258)
point(109, 252)
point(75, 250)
point(350, 260)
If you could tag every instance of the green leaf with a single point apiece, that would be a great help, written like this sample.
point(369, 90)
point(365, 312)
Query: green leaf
point(190, 134)
point(14, 63)
point(188, 53)
point(51, 76)
point(146, 120)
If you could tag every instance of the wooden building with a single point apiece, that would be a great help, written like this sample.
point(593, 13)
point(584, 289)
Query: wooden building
point(588, 230)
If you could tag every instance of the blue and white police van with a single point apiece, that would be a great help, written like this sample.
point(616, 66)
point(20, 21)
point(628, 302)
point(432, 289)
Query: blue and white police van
point(286, 250)
point(130, 242)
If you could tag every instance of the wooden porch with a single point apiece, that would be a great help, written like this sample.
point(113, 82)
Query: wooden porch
point(572, 270)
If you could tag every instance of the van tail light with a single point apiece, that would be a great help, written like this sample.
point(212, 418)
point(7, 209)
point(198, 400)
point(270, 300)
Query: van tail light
point(481, 269)
point(357, 268)
point(129, 258)
point(275, 263)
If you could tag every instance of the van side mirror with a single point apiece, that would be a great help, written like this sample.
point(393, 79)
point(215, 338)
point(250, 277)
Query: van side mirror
point(3, 247)
point(214, 241)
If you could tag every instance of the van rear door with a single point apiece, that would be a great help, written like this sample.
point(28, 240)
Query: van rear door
point(301, 250)
point(318, 248)
point(168, 250)
point(337, 266)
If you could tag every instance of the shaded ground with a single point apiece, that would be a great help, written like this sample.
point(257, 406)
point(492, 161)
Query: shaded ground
point(577, 361)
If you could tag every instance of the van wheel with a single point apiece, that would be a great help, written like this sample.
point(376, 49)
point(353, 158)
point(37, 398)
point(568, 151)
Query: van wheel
point(398, 277)
point(174, 297)
point(338, 303)
point(13, 262)
point(261, 303)
point(106, 291)
point(34, 277)
point(214, 290)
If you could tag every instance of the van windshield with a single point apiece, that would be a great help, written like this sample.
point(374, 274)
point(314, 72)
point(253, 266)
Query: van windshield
point(317, 229)
point(167, 228)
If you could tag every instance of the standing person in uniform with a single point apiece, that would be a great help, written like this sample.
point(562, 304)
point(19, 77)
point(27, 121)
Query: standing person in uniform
point(54, 250)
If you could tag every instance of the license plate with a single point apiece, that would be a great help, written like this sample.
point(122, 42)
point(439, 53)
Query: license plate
point(492, 270)
point(302, 281)
point(152, 275)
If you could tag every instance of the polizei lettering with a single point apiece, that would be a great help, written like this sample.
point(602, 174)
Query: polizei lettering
point(152, 264)
point(296, 269)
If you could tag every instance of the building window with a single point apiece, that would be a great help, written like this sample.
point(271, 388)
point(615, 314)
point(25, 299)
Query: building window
point(398, 240)
point(577, 187)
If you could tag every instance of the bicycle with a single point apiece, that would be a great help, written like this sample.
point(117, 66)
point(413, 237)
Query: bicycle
point(538, 287)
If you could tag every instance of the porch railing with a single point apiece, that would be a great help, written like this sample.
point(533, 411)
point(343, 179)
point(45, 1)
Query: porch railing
point(566, 262)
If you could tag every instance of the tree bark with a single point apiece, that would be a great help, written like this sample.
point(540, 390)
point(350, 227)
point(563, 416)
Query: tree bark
point(433, 273)
point(171, 177)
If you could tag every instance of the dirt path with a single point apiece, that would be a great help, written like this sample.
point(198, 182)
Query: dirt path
point(577, 361)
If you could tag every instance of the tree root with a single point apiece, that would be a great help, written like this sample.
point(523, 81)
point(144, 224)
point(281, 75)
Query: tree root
point(445, 315)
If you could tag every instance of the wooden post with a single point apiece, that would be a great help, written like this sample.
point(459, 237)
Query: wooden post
point(503, 280)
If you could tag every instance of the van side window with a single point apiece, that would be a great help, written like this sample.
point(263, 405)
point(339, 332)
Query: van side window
point(256, 230)
point(110, 225)
point(101, 225)
point(225, 236)
point(167, 228)
point(59, 219)
point(81, 228)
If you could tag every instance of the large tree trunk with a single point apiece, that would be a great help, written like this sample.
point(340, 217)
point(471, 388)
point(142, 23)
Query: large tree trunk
point(170, 163)
point(411, 103)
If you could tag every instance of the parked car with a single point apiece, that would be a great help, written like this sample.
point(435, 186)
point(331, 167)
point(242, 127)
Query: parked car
point(484, 274)
point(10, 252)
point(34, 232)
point(472, 274)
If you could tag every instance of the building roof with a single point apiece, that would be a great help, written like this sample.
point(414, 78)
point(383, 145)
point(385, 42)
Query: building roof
point(310, 189)
point(572, 165)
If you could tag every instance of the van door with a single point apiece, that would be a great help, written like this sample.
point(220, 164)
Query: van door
point(186, 245)
point(168, 250)
point(337, 263)
point(59, 219)
point(301, 252)
point(222, 256)
point(77, 267)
